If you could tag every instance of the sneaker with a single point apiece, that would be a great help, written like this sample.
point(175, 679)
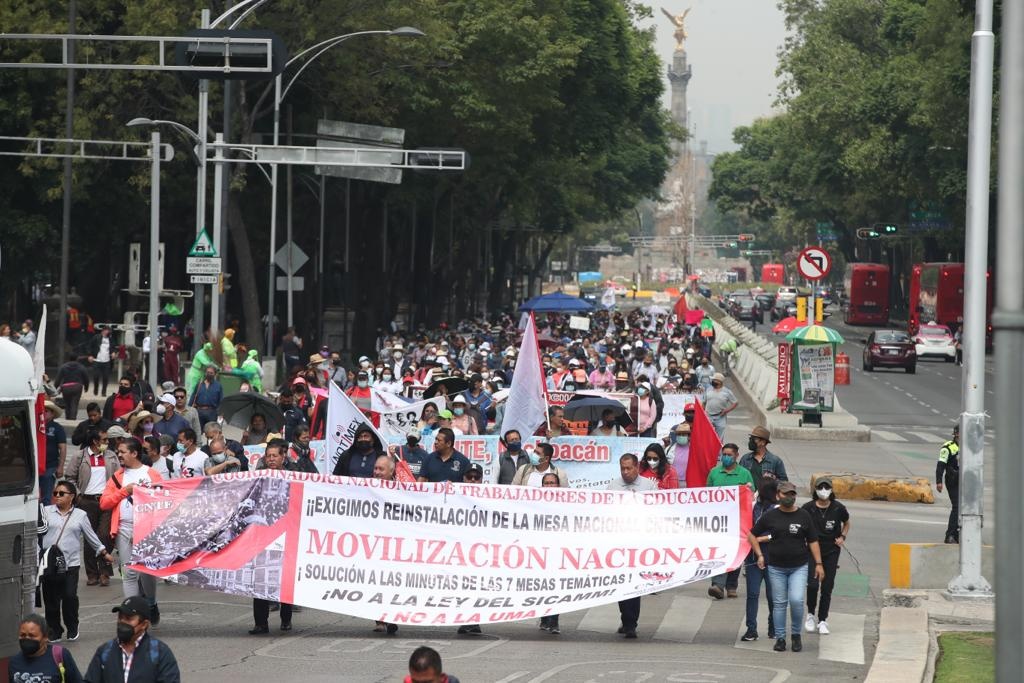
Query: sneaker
point(72, 635)
point(544, 624)
point(631, 633)
point(797, 644)
point(716, 592)
point(749, 636)
point(622, 629)
point(463, 630)
point(823, 628)
point(780, 645)
point(259, 630)
point(474, 631)
point(554, 630)
point(810, 623)
point(154, 617)
point(286, 626)
point(392, 629)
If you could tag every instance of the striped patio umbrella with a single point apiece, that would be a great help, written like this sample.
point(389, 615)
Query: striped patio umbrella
point(815, 334)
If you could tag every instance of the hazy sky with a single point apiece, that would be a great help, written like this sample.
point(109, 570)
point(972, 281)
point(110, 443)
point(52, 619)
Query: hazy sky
point(731, 48)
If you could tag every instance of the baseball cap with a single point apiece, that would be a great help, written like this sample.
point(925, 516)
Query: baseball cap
point(116, 432)
point(823, 481)
point(787, 487)
point(414, 434)
point(135, 605)
point(475, 468)
point(445, 414)
point(718, 377)
point(459, 399)
point(168, 398)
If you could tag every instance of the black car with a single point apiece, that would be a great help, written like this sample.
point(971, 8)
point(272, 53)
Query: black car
point(746, 308)
point(890, 349)
point(766, 301)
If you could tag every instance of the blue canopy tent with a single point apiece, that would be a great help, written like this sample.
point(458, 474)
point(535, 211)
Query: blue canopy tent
point(556, 302)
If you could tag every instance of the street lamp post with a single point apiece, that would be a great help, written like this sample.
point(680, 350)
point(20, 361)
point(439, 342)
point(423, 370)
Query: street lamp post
point(279, 95)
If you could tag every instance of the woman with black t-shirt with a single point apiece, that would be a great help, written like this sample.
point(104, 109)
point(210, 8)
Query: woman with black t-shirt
point(792, 533)
point(832, 521)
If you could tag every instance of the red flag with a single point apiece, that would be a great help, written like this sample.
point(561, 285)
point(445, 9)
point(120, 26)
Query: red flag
point(680, 309)
point(403, 472)
point(41, 434)
point(705, 448)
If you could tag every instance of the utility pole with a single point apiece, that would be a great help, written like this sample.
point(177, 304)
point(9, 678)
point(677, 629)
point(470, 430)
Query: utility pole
point(65, 225)
point(1008, 322)
point(970, 582)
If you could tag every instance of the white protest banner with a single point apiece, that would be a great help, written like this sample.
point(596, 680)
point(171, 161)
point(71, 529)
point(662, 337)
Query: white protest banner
point(673, 412)
point(403, 420)
point(579, 322)
point(435, 554)
point(343, 419)
point(381, 401)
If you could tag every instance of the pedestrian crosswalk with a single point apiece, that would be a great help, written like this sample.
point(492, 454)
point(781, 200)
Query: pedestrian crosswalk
point(894, 434)
point(691, 618)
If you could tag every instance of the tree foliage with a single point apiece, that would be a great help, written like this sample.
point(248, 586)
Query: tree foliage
point(557, 103)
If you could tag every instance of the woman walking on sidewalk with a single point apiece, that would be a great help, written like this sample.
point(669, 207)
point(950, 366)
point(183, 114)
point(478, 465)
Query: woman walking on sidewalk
point(832, 520)
point(793, 534)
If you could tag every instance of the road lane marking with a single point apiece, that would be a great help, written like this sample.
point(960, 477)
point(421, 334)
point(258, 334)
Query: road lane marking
point(936, 412)
point(603, 619)
point(845, 643)
point(683, 619)
point(917, 521)
point(928, 438)
point(512, 677)
point(888, 436)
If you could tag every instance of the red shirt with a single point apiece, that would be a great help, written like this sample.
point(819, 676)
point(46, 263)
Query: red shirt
point(669, 481)
point(123, 405)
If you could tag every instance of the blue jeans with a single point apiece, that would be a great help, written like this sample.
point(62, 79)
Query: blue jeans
point(788, 585)
point(47, 482)
point(755, 575)
point(718, 422)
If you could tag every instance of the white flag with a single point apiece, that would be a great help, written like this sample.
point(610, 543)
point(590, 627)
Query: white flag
point(39, 359)
point(527, 405)
point(381, 401)
point(608, 298)
point(343, 419)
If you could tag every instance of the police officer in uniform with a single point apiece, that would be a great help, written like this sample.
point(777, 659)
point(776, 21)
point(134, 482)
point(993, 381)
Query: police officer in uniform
point(949, 465)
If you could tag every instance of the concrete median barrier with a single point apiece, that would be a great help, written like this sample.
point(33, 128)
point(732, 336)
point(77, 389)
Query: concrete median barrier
point(865, 487)
point(931, 565)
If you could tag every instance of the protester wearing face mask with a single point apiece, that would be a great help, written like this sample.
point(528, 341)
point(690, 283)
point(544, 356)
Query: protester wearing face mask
point(389, 382)
point(767, 498)
point(189, 460)
point(207, 396)
point(728, 473)
point(512, 458)
point(412, 452)
point(134, 655)
point(38, 659)
point(532, 473)
point(762, 463)
point(832, 521)
point(647, 411)
point(462, 420)
point(220, 459)
point(793, 535)
point(719, 401)
point(677, 449)
point(170, 422)
point(300, 454)
point(360, 393)
point(654, 465)
point(256, 432)
point(358, 459)
point(123, 402)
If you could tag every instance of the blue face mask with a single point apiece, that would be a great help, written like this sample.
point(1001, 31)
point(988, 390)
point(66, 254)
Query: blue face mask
point(514, 446)
point(728, 460)
point(181, 447)
point(459, 411)
point(534, 459)
point(683, 440)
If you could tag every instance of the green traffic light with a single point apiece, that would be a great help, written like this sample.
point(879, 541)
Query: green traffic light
point(891, 229)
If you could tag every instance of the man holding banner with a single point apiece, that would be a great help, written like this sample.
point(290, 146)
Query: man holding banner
point(630, 480)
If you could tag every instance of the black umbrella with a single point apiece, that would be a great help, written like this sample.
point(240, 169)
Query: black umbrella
point(590, 408)
point(452, 385)
point(238, 410)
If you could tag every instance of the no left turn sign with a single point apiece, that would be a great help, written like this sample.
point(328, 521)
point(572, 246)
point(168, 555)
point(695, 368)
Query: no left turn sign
point(814, 263)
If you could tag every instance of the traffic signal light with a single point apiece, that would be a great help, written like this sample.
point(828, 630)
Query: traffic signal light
point(801, 309)
point(819, 309)
point(746, 237)
point(867, 234)
point(231, 49)
point(886, 228)
point(733, 245)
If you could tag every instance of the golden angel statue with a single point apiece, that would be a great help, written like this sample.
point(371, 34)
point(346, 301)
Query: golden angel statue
point(679, 21)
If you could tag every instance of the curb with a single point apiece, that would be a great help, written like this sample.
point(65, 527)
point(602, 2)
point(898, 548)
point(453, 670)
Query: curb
point(903, 646)
point(848, 485)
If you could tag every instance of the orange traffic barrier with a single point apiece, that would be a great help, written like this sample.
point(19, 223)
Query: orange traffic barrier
point(842, 368)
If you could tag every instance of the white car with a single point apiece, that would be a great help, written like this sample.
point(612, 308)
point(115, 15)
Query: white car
point(935, 340)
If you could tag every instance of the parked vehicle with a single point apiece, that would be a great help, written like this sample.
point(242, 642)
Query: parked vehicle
point(766, 301)
point(890, 349)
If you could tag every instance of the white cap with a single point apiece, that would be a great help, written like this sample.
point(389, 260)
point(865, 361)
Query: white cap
point(362, 358)
point(443, 360)
point(638, 344)
point(168, 398)
point(574, 362)
point(459, 399)
point(486, 346)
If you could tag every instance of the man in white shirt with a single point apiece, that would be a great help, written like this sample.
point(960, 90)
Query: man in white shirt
point(630, 480)
point(189, 460)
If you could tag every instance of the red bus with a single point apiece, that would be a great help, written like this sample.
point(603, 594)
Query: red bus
point(937, 295)
point(867, 294)
point(773, 272)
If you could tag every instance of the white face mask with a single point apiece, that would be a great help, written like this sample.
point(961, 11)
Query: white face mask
point(653, 464)
point(824, 494)
point(161, 409)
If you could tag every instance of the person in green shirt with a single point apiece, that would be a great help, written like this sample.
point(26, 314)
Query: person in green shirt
point(729, 473)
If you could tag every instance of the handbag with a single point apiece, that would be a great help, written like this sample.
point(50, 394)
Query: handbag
point(56, 562)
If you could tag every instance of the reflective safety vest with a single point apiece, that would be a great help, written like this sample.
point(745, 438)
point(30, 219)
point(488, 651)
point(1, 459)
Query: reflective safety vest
point(950, 454)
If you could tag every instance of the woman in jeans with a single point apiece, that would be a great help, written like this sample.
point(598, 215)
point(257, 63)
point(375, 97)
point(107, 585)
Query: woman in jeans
point(793, 534)
point(66, 527)
point(767, 497)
